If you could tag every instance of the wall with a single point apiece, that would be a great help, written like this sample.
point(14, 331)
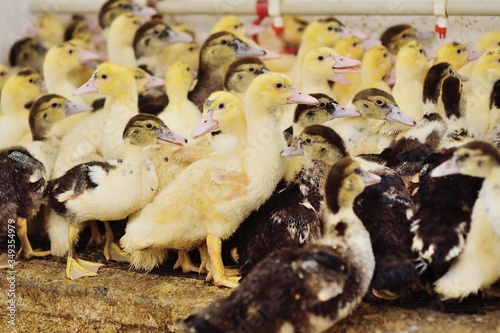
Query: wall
point(465, 29)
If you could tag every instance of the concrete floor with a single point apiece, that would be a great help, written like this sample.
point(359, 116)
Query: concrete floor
point(121, 300)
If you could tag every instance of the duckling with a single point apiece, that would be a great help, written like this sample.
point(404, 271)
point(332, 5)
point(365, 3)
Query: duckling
point(475, 267)
point(493, 134)
point(17, 96)
point(247, 182)
point(189, 52)
point(356, 132)
point(410, 68)
point(487, 41)
point(25, 170)
point(83, 192)
point(27, 52)
point(352, 47)
point(236, 26)
point(456, 54)
point(111, 9)
point(149, 41)
point(120, 46)
point(241, 73)
point(293, 213)
point(216, 54)
point(319, 283)
point(396, 36)
point(483, 77)
point(50, 30)
point(375, 64)
point(321, 32)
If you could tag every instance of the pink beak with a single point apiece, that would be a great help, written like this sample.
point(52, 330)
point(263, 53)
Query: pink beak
point(206, 124)
point(300, 97)
point(87, 56)
point(87, 88)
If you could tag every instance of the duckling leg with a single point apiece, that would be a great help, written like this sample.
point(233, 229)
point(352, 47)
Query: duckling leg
point(111, 250)
point(77, 268)
point(26, 249)
point(214, 246)
point(96, 237)
point(205, 264)
point(184, 261)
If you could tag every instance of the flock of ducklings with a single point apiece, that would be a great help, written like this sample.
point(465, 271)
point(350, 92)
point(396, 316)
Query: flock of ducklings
point(344, 168)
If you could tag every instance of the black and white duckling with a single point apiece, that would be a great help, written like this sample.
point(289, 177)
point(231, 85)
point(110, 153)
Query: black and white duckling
point(319, 284)
point(241, 73)
point(232, 188)
point(25, 170)
point(476, 266)
point(359, 134)
point(216, 53)
point(150, 40)
point(17, 97)
point(27, 52)
point(109, 191)
point(396, 36)
point(293, 214)
point(442, 100)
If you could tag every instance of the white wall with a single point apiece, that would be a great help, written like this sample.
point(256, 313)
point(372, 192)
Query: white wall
point(464, 29)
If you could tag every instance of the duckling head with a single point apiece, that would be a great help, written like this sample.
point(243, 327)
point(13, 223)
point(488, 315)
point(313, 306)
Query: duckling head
point(413, 55)
point(26, 83)
point(350, 46)
point(326, 32)
point(318, 142)
point(270, 90)
point(394, 37)
point(77, 26)
point(320, 61)
point(237, 26)
point(378, 57)
point(109, 79)
point(434, 80)
point(67, 56)
point(242, 72)
point(48, 110)
point(293, 29)
point(345, 181)
point(326, 109)
point(222, 47)
point(27, 52)
point(128, 22)
point(145, 81)
point(222, 111)
point(456, 54)
point(111, 9)
point(374, 103)
point(50, 29)
point(475, 158)
point(146, 129)
point(489, 40)
point(154, 35)
point(487, 67)
point(180, 76)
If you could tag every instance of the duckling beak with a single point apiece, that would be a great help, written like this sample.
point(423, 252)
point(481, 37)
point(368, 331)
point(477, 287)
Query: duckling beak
point(171, 36)
point(294, 149)
point(343, 64)
point(300, 97)
point(473, 54)
point(370, 178)
point(87, 88)
point(153, 82)
point(87, 56)
point(369, 43)
point(206, 124)
point(167, 137)
point(352, 32)
point(342, 111)
point(270, 55)
point(43, 86)
point(448, 167)
point(73, 108)
point(398, 116)
point(430, 55)
point(253, 29)
point(246, 50)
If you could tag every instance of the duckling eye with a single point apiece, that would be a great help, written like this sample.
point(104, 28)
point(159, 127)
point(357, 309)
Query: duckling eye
point(459, 51)
point(251, 69)
point(191, 49)
point(450, 71)
point(330, 28)
point(308, 140)
point(223, 42)
point(405, 35)
point(355, 44)
point(71, 51)
point(104, 76)
point(156, 32)
point(421, 51)
point(44, 116)
point(321, 58)
point(54, 105)
point(357, 171)
point(322, 104)
point(31, 81)
point(149, 126)
point(300, 29)
point(309, 114)
point(379, 102)
point(466, 155)
point(278, 85)
point(221, 106)
point(2, 73)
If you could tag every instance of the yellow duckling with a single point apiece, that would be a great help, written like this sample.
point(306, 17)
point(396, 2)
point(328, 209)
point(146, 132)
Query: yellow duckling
point(456, 54)
point(19, 92)
point(120, 45)
point(237, 26)
point(232, 188)
point(375, 64)
point(50, 30)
